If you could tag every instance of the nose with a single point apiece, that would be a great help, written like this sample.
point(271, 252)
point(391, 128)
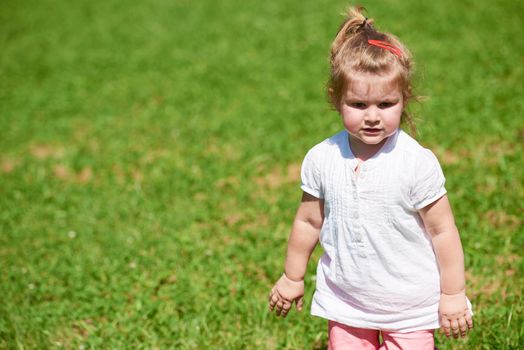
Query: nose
point(372, 114)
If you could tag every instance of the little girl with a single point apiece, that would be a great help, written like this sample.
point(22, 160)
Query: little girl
point(393, 264)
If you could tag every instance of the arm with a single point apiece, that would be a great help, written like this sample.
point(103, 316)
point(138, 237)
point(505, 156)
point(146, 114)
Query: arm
point(440, 225)
point(302, 241)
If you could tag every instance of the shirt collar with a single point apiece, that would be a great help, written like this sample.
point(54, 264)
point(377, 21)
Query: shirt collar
point(387, 147)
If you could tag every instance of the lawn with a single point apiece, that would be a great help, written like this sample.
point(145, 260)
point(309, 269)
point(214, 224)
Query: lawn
point(150, 151)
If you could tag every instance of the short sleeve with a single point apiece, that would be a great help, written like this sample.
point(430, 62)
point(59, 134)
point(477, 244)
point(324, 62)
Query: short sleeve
point(428, 182)
point(310, 174)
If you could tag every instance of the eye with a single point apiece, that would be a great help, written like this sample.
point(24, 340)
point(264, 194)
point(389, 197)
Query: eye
point(358, 105)
point(386, 104)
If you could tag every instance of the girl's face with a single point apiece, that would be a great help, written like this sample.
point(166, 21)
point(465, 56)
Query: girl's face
point(371, 109)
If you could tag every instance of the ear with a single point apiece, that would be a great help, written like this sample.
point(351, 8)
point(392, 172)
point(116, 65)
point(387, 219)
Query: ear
point(331, 92)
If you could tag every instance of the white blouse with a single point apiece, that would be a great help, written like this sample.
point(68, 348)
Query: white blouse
point(378, 270)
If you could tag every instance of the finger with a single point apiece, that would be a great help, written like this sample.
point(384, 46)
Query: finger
point(455, 328)
point(272, 301)
point(285, 309)
point(300, 304)
point(463, 326)
point(445, 331)
point(279, 306)
point(469, 320)
point(275, 297)
point(270, 295)
point(286, 306)
point(446, 327)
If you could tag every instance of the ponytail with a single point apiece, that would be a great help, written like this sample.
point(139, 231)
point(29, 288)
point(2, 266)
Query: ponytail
point(355, 22)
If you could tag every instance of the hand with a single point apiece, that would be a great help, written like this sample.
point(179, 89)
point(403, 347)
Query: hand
point(455, 318)
point(284, 293)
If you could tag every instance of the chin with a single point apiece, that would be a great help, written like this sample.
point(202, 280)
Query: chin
point(374, 142)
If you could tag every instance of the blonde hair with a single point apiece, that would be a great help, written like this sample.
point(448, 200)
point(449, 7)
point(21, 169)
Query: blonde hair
point(352, 54)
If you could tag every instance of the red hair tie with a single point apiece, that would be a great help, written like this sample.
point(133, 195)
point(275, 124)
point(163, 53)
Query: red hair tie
point(386, 46)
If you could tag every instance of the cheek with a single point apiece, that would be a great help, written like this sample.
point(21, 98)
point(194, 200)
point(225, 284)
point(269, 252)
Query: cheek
point(393, 119)
point(350, 119)
point(350, 123)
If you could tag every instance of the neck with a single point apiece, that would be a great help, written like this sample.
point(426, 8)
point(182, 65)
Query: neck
point(363, 151)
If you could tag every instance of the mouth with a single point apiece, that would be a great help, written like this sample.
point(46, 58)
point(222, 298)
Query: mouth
point(371, 130)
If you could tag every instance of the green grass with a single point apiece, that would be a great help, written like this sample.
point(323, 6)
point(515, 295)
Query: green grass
point(148, 155)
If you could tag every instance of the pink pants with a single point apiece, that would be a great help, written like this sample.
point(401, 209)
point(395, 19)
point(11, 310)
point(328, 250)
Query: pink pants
point(346, 337)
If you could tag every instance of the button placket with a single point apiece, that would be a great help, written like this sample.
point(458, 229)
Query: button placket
point(357, 235)
point(362, 171)
point(356, 231)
